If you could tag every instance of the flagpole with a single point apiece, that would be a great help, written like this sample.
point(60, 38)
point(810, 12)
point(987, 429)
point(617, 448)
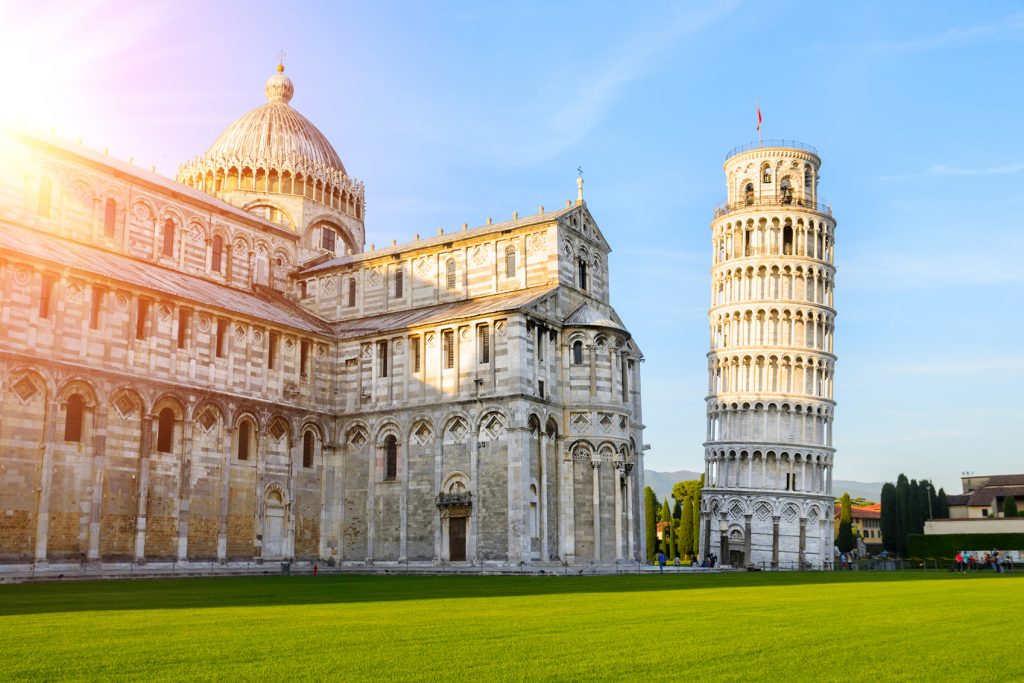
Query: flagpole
point(757, 104)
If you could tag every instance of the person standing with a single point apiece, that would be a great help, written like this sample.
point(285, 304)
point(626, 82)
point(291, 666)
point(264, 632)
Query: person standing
point(661, 562)
point(959, 560)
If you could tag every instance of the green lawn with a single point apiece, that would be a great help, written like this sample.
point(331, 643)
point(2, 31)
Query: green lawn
point(782, 626)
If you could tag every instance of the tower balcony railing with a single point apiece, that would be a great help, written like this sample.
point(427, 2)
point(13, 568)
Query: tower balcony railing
point(761, 144)
point(772, 201)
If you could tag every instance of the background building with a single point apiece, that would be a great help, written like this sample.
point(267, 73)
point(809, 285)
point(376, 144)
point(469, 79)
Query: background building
point(768, 454)
point(215, 369)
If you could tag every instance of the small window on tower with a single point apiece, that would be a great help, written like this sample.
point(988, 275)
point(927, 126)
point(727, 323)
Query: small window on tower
point(766, 173)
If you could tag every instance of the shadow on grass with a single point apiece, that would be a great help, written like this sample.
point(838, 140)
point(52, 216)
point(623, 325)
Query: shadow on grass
point(198, 593)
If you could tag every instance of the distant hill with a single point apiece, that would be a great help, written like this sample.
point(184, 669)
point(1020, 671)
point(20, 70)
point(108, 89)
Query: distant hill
point(662, 483)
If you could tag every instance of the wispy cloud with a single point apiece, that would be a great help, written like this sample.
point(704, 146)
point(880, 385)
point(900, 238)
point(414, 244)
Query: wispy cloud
point(956, 36)
point(940, 170)
point(557, 125)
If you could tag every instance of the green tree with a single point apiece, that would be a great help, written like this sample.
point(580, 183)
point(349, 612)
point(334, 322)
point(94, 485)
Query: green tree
point(845, 539)
point(889, 522)
point(695, 511)
point(1010, 507)
point(650, 522)
point(666, 534)
point(902, 513)
point(941, 505)
point(686, 529)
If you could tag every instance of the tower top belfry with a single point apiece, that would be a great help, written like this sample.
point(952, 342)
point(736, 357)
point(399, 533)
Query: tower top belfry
point(768, 454)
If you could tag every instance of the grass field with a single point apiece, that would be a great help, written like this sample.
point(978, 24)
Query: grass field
point(782, 626)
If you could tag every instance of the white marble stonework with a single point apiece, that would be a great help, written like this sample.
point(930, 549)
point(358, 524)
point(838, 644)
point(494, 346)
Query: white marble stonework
point(216, 369)
point(768, 455)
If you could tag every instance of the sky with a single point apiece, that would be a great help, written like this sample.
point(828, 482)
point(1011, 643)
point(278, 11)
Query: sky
point(454, 112)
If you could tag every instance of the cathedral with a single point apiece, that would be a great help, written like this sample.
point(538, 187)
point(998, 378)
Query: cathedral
point(216, 369)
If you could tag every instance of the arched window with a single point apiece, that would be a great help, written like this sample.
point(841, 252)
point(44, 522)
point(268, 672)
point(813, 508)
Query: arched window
point(165, 430)
point(244, 439)
point(577, 353)
point(766, 173)
point(73, 418)
point(390, 458)
point(109, 217)
point(168, 245)
point(45, 197)
point(808, 178)
point(308, 445)
point(216, 253)
point(748, 194)
point(787, 240)
point(450, 271)
point(510, 262)
point(582, 275)
point(785, 191)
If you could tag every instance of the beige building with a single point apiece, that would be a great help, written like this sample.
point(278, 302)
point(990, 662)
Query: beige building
point(768, 455)
point(213, 369)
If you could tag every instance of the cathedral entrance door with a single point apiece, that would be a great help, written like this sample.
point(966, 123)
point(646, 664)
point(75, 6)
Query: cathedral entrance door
point(273, 527)
point(457, 539)
point(736, 558)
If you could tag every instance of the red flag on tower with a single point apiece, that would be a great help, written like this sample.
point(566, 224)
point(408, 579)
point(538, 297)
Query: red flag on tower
point(758, 105)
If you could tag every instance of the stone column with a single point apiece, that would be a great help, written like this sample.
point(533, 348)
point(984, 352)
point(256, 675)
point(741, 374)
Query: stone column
point(803, 540)
point(595, 465)
point(403, 503)
point(45, 479)
point(474, 519)
point(371, 503)
point(99, 425)
point(225, 492)
point(567, 512)
point(617, 474)
point(747, 539)
point(775, 541)
point(143, 491)
point(630, 538)
point(184, 491)
point(543, 512)
point(439, 555)
point(294, 460)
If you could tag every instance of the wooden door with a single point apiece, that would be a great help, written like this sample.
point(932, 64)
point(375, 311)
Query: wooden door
point(457, 539)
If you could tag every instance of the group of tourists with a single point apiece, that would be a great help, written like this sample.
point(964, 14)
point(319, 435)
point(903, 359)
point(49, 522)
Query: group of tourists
point(971, 560)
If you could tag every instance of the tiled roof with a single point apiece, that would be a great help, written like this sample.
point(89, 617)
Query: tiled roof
point(438, 240)
point(400, 320)
point(873, 511)
point(987, 494)
point(49, 248)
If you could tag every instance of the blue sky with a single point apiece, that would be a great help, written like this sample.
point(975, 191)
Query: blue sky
point(455, 112)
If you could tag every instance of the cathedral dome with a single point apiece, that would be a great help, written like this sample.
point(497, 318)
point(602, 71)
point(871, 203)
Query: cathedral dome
point(276, 136)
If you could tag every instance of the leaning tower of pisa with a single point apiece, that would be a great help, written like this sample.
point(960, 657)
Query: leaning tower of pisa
point(767, 497)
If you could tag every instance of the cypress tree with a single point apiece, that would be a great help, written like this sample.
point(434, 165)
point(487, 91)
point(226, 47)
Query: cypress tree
point(889, 523)
point(1010, 507)
point(650, 517)
point(845, 539)
point(667, 532)
point(686, 529)
point(913, 507)
point(677, 510)
point(696, 515)
point(941, 505)
point(902, 513)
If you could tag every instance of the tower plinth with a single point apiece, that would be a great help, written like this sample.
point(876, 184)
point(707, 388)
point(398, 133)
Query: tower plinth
point(768, 457)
